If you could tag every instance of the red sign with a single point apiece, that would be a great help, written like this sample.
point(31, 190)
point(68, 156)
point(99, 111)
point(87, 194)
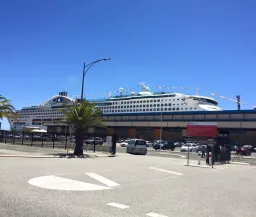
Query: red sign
point(201, 129)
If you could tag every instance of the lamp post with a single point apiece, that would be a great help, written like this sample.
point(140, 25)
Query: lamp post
point(85, 69)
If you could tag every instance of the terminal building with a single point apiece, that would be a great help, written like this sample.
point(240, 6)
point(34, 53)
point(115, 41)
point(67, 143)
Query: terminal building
point(238, 125)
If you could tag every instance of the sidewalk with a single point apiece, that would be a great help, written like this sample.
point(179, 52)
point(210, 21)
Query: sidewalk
point(8, 150)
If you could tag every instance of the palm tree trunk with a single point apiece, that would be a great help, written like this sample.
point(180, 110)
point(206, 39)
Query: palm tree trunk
point(79, 134)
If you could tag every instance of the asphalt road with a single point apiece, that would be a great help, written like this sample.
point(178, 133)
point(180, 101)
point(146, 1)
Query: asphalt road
point(151, 152)
point(127, 185)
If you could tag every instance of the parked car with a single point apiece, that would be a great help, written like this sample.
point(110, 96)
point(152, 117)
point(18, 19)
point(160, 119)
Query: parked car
point(137, 146)
point(188, 147)
point(250, 148)
point(165, 145)
point(124, 143)
point(243, 150)
point(17, 137)
point(149, 143)
point(90, 141)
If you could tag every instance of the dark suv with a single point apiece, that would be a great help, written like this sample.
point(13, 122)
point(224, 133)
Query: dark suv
point(98, 141)
point(165, 145)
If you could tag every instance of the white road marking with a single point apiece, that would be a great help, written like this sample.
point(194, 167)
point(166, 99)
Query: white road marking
point(118, 205)
point(234, 162)
point(152, 214)
point(58, 183)
point(182, 156)
point(166, 171)
point(102, 179)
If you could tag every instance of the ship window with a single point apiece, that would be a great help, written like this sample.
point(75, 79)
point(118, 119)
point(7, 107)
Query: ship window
point(169, 109)
point(151, 105)
point(147, 100)
point(147, 109)
point(154, 109)
point(162, 109)
point(121, 106)
point(177, 108)
point(118, 110)
point(140, 105)
point(133, 106)
point(178, 99)
point(173, 99)
point(158, 100)
point(122, 102)
point(190, 108)
point(128, 102)
point(173, 104)
point(137, 106)
point(158, 109)
point(177, 104)
point(147, 105)
point(125, 106)
point(140, 101)
point(134, 110)
point(118, 106)
point(170, 104)
point(143, 109)
point(165, 104)
point(154, 100)
point(143, 105)
point(151, 100)
point(150, 110)
point(165, 109)
point(158, 105)
point(195, 108)
point(113, 111)
point(173, 109)
point(137, 110)
point(162, 104)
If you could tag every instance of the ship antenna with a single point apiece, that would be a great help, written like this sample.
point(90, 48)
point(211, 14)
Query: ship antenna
point(197, 91)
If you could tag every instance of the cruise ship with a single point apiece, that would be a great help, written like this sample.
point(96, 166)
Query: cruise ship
point(145, 101)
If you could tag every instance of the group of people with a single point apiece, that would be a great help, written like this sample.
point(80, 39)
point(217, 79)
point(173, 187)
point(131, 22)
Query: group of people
point(220, 153)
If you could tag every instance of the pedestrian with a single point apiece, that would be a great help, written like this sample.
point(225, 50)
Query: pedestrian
point(203, 151)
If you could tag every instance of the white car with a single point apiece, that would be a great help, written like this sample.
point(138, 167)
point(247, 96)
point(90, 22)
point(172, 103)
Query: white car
point(149, 143)
point(188, 147)
point(124, 143)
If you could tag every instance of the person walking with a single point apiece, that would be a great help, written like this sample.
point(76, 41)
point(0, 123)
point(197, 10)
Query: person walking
point(203, 151)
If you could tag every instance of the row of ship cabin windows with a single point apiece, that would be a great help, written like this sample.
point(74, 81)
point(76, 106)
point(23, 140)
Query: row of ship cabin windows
point(142, 101)
point(137, 106)
point(140, 110)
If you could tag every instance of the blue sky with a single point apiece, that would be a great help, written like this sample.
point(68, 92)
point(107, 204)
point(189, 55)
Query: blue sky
point(199, 43)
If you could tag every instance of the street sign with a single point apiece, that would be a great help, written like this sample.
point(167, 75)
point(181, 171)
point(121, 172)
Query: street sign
point(202, 129)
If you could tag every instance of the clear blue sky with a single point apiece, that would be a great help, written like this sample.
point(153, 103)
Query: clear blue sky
point(199, 43)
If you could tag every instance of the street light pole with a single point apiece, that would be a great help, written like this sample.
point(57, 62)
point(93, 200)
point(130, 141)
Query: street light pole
point(161, 129)
point(88, 66)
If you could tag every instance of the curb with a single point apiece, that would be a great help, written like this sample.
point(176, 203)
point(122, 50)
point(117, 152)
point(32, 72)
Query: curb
point(28, 156)
point(52, 156)
point(239, 163)
point(195, 165)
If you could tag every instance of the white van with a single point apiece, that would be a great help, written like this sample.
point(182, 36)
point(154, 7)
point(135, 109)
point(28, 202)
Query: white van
point(137, 146)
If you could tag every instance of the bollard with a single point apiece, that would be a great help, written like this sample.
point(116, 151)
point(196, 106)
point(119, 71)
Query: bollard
point(199, 158)
point(210, 158)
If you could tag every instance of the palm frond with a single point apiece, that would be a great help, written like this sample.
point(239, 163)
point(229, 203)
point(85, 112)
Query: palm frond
point(83, 115)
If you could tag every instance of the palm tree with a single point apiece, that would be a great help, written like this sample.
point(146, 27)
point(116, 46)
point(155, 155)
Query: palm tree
point(6, 109)
point(81, 116)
